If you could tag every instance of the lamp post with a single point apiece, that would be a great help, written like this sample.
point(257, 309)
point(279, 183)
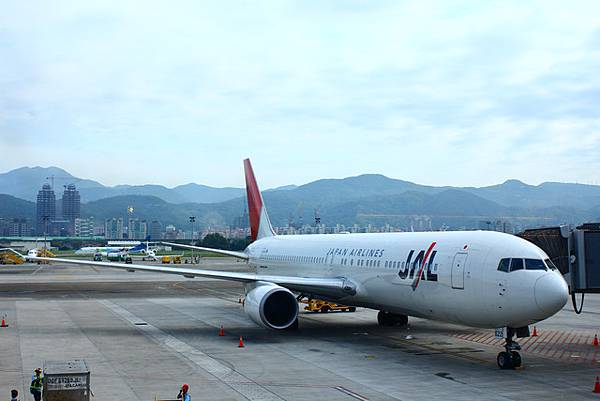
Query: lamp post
point(45, 218)
point(192, 220)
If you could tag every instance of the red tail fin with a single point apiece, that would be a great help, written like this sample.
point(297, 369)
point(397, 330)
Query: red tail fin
point(260, 226)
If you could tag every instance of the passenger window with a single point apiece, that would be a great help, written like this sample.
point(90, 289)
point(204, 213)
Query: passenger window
point(516, 264)
point(534, 264)
point(504, 264)
point(550, 265)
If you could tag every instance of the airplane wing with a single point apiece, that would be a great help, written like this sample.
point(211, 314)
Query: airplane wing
point(334, 287)
point(240, 255)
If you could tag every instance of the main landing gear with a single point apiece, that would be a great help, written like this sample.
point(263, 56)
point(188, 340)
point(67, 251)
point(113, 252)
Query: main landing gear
point(510, 358)
point(389, 319)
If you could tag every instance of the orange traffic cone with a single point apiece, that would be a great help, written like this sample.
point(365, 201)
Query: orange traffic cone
point(597, 385)
point(241, 344)
point(221, 332)
point(595, 342)
point(535, 334)
point(3, 324)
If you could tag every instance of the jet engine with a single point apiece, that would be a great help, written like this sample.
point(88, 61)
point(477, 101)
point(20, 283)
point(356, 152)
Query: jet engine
point(271, 306)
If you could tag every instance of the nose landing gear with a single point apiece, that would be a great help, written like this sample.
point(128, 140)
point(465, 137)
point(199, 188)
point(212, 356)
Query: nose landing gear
point(511, 358)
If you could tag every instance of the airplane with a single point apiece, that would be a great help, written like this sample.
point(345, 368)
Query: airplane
point(480, 279)
point(108, 250)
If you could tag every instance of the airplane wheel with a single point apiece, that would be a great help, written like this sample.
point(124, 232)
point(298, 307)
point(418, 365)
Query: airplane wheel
point(516, 359)
point(385, 319)
point(504, 360)
point(325, 309)
point(401, 320)
point(352, 309)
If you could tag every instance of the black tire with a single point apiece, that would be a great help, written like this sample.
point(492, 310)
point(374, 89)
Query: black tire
point(400, 320)
point(384, 319)
point(352, 309)
point(504, 360)
point(325, 309)
point(516, 359)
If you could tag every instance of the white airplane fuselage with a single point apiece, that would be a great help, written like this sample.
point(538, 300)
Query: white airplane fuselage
point(102, 250)
point(460, 282)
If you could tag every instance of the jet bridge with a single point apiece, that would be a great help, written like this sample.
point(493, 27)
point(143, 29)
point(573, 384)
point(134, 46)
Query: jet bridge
point(576, 253)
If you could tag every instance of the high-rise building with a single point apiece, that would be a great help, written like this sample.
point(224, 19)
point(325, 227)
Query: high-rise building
point(71, 205)
point(19, 228)
point(155, 230)
point(137, 229)
point(113, 228)
point(45, 208)
point(170, 232)
point(84, 227)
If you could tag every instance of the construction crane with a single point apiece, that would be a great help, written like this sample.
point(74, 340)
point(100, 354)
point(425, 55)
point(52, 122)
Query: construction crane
point(70, 178)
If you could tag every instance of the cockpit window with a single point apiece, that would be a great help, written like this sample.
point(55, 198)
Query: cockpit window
point(503, 265)
point(550, 265)
point(535, 264)
point(516, 264)
point(512, 264)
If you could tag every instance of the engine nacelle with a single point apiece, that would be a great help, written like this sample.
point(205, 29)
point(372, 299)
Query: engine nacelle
point(271, 306)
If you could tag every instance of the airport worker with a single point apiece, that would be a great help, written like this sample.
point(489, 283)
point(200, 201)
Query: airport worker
point(14, 395)
point(37, 383)
point(184, 393)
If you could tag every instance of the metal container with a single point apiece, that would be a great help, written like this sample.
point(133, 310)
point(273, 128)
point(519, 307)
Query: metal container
point(66, 380)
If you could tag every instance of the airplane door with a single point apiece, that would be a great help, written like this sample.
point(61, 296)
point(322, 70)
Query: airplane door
point(458, 270)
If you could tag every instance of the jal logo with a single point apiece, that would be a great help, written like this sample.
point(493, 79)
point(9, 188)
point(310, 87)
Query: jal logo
point(408, 269)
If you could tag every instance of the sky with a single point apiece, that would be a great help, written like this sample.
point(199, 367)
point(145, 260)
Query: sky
point(465, 93)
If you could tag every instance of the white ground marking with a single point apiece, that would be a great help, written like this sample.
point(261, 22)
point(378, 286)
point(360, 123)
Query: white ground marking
point(230, 377)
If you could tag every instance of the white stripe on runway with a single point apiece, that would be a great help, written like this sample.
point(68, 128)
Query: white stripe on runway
point(246, 387)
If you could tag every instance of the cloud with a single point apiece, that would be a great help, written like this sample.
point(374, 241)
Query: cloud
point(457, 93)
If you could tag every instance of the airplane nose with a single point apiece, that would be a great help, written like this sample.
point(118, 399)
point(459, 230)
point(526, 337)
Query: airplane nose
point(551, 293)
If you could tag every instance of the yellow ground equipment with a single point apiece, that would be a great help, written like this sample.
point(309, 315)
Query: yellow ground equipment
point(166, 259)
point(317, 305)
point(9, 258)
point(46, 253)
point(177, 260)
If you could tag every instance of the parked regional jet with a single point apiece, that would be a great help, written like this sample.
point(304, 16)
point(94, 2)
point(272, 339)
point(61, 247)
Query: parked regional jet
point(475, 278)
point(107, 250)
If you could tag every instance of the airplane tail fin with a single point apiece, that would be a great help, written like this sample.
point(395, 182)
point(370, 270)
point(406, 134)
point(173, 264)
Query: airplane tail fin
point(260, 225)
point(141, 245)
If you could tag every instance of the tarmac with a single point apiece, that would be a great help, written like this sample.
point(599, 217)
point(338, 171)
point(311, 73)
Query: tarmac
point(144, 334)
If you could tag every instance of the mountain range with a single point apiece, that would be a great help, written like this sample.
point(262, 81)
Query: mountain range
point(364, 199)
point(25, 182)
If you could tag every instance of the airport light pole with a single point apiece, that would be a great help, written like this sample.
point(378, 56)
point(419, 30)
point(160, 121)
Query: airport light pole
point(192, 220)
point(45, 218)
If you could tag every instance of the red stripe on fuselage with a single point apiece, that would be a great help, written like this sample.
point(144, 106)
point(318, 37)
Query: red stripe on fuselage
point(418, 278)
